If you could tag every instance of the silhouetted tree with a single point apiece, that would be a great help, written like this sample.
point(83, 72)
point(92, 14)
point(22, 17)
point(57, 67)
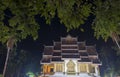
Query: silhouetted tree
point(107, 20)
point(16, 61)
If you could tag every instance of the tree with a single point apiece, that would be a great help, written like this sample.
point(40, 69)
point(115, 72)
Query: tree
point(20, 15)
point(108, 63)
point(17, 60)
point(10, 44)
point(32, 67)
point(15, 20)
point(2, 55)
point(71, 13)
point(117, 63)
point(15, 25)
point(17, 17)
point(107, 21)
point(2, 49)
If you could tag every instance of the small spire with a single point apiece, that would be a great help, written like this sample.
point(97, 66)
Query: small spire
point(68, 37)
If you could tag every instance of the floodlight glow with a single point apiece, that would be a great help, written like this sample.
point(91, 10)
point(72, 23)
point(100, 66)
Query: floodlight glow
point(30, 74)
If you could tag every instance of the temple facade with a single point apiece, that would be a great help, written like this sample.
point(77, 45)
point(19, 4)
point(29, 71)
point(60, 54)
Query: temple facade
point(70, 58)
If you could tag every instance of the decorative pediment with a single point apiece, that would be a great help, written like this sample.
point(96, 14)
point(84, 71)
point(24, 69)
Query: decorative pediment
point(71, 67)
point(70, 63)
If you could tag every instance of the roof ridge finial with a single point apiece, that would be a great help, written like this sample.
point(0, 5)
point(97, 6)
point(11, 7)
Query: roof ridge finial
point(69, 37)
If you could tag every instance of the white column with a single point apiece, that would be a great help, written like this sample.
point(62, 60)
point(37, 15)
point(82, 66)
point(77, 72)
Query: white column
point(54, 67)
point(76, 67)
point(87, 67)
point(63, 67)
point(96, 70)
point(66, 66)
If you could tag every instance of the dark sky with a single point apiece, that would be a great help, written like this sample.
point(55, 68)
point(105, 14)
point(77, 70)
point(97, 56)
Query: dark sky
point(53, 32)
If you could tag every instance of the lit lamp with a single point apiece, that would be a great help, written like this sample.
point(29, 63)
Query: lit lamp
point(30, 74)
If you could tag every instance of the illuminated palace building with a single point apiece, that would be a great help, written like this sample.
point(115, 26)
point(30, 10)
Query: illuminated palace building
point(70, 58)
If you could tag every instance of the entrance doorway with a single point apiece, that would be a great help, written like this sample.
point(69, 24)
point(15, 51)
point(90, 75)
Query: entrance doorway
point(71, 67)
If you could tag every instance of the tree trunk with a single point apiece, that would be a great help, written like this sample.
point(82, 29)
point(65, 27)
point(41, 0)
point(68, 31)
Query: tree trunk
point(117, 42)
point(115, 38)
point(6, 61)
point(10, 44)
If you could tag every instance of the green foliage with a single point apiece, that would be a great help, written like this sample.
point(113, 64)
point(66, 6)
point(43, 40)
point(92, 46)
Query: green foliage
point(71, 13)
point(107, 18)
point(0, 75)
point(21, 20)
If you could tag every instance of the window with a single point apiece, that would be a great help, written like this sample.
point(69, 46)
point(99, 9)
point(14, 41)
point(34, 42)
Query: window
point(59, 67)
point(83, 68)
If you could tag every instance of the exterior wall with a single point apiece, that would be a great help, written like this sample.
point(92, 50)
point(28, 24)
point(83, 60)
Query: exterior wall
point(60, 68)
point(88, 68)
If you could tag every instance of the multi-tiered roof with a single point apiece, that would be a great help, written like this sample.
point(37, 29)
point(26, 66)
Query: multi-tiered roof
point(70, 48)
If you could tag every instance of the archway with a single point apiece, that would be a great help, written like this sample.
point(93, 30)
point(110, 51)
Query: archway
point(70, 67)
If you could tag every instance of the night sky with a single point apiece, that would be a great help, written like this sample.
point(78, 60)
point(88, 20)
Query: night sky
point(53, 32)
